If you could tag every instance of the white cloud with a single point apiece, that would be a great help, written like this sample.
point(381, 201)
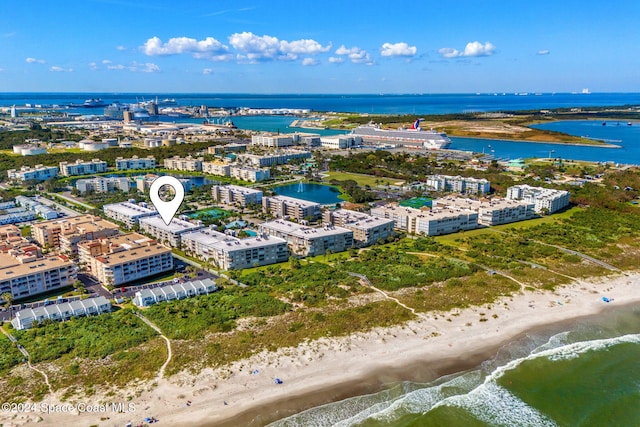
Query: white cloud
point(255, 48)
point(355, 54)
point(207, 71)
point(398, 49)
point(121, 48)
point(177, 45)
point(93, 66)
point(107, 61)
point(34, 60)
point(336, 60)
point(135, 67)
point(543, 52)
point(478, 49)
point(474, 48)
point(449, 52)
point(310, 61)
point(57, 69)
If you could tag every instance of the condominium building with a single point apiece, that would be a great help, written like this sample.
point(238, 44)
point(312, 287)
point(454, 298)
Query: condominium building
point(217, 168)
point(272, 140)
point(135, 162)
point(16, 215)
point(170, 234)
point(37, 173)
point(13, 243)
point(125, 258)
point(545, 199)
point(307, 241)
point(367, 229)
point(249, 174)
point(147, 297)
point(69, 231)
point(235, 194)
point(60, 311)
point(128, 213)
point(43, 211)
point(491, 212)
point(227, 148)
point(278, 158)
point(290, 207)
point(183, 163)
point(103, 185)
point(432, 222)
point(81, 167)
point(26, 274)
point(459, 184)
point(231, 253)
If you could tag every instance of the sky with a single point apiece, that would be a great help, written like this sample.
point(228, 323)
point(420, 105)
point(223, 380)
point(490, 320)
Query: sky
point(316, 47)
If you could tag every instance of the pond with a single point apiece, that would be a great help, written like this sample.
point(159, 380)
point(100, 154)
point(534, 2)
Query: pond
point(323, 194)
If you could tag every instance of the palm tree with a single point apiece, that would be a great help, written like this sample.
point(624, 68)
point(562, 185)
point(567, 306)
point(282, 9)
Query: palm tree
point(8, 298)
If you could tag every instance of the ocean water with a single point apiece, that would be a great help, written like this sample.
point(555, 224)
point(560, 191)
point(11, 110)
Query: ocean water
point(375, 104)
point(585, 374)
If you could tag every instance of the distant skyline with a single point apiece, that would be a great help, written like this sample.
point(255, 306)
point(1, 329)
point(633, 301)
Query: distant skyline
point(332, 46)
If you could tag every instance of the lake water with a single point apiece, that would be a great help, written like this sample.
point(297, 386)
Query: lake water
point(323, 194)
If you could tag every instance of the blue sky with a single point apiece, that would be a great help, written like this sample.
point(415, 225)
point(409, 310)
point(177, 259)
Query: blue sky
point(327, 46)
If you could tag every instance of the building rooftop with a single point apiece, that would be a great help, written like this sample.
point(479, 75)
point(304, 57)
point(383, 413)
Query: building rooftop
point(241, 189)
point(359, 220)
point(176, 225)
point(293, 201)
point(12, 267)
point(303, 231)
point(129, 209)
point(125, 248)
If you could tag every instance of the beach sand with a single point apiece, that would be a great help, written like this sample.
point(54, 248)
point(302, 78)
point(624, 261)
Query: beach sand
point(327, 370)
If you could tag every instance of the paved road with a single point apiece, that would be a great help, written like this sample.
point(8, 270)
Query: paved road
point(72, 200)
point(52, 204)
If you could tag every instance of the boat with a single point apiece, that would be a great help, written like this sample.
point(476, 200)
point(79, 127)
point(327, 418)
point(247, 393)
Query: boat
point(628, 123)
point(414, 137)
point(94, 103)
point(219, 123)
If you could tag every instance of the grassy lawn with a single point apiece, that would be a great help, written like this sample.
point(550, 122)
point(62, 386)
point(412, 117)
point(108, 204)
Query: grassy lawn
point(361, 179)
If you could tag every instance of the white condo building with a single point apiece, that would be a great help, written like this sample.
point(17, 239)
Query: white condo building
point(25, 318)
point(217, 168)
point(367, 229)
point(171, 234)
point(459, 184)
point(128, 213)
point(183, 163)
point(433, 222)
point(37, 173)
point(249, 174)
point(80, 167)
point(544, 199)
point(103, 184)
point(232, 194)
point(491, 212)
point(273, 140)
point(307, 241)
point(284, 206)
point(231, 253)
point(280, 157)
point(135, 162)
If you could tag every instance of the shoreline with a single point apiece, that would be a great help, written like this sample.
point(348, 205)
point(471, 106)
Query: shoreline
point(332, 369)
point(577, 144)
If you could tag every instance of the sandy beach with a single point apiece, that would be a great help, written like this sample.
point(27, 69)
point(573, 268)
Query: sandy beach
point(331, 369)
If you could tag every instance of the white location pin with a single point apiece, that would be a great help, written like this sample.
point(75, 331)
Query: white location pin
point(167, 210)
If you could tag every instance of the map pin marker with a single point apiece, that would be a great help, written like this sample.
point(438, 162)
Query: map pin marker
point(167, 210)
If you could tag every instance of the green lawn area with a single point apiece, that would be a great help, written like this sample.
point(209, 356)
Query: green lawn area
point(361, 179)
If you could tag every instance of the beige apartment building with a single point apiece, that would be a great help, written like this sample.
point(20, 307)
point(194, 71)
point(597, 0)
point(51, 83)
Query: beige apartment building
point(66, 233)
point(125, 258)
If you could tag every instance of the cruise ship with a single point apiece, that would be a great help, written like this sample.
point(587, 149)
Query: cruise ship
point(414, 137)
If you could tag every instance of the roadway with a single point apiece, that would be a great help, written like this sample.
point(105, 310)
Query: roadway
point(57, 206)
